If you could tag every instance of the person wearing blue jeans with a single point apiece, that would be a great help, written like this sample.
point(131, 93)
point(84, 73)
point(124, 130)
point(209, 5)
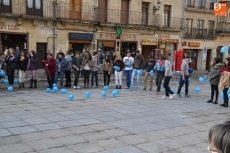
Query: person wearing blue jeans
point(95, 68)
point(139, 63)
point(128, 62)
point(60, 64)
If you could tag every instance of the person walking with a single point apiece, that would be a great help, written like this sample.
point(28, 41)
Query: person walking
point(60, 68)
point(118, 73)
point(138, 65)
point(128, 61)
point(95, 69)
point(184, 77)
point(68, 67)
point(50, 64)
point(224, 83)
point(107, 69)
point(214, 79)
point(149, 66)
point(33, 69)
point(10, 64)
point(169, 94)
point(76, 64)
point(87, 69)
point(160, 72)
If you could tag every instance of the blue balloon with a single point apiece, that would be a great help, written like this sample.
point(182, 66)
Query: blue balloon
point(189, 79)
point(70, 97)
point(228, 96)
point(116, 68)
point(205, 77)
point(172, 89)
point(151, 73)
point(224, 49)
point(5, 81)
point(229, 91)
point(55, 89)
point(106, 88)
point(161, 86)
point(10, 88)
point(114, 93)
point(190, 70)
point(87, 94)
point(197, 89)
point(15, 81)
point(201, 79)
point(103, 94)
point(48, 90)
point(117, 91)
point(54, 85)
point(139, 72)
point(222, 95)
point(63, 91)
point(2, 73)
point(128, 64)
point(173, 72)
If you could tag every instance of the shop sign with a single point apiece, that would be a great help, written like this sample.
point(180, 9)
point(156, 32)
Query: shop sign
point(184, 43)
point(164, 36)
point(193, 44)
point(148, 41)
point(113, 36)
point(220, 9)
point(9, 27)
point(80, 36)
point(169, 41)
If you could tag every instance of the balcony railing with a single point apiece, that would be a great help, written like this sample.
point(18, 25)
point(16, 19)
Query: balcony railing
point(223, 27)
point(199, 5)
point(164, 22)
point(195, 33)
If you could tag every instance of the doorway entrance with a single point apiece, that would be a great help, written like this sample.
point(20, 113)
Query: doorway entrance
point(193, 55)
point(208, 60)
point(128, 46)
point(41, 49)
point(9, 40)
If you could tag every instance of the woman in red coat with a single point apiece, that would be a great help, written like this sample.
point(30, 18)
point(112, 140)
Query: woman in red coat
point(50, 65)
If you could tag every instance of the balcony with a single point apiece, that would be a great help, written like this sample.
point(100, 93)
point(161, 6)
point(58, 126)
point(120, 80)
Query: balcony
point(194, 33)
point(198, 6)
point(223, 27)
point(164, 23)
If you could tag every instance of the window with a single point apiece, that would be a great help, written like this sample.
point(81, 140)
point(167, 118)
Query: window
point(211, 24)
point(166, 16)
point(202, 4)
point(5, 6)
point(211, 6)
point(145, 11)
point(190, 3)
point(211, 30)
point(37, 5)
point(188, 27)
point(34, 7)
point(200, 27)
point(6, 2)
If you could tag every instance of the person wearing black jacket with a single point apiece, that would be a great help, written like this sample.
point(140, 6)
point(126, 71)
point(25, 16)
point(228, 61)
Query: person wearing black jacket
point(22, 63)
point(118, 73)
point(76, 65)
point(149, 65)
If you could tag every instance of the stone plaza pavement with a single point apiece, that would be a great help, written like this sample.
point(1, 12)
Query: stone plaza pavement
point(32, 121)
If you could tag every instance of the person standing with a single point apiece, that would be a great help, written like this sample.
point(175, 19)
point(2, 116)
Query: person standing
point(128, 62)
point(95, 68)
point(33, 69)
point(184, 77)
point(87, 69)
point(22, 63)
point(61, 67)
point(10, 64)
point(214, 79)
point(138, 65)
point(68, 67)
point(160, 72)
point(118, 73)
point(82, 56)
point(101, 57)
point(149, 66)
point(76, 64)
point(50, 64)
point(224, 83)
point(107, 69)
point(168, 75)
point(17, 53)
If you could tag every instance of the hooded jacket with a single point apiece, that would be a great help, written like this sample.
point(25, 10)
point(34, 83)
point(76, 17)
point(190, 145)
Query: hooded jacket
point(215, 74)
point(139, 62)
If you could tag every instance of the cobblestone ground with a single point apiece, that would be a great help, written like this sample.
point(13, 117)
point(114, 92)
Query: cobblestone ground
point(134, 122)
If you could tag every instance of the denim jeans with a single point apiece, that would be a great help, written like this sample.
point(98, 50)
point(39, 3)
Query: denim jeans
point(61, 75)
point(181, 84)
point(94, 75)
point(166, 86)
point(128, 75)
point(138, 79)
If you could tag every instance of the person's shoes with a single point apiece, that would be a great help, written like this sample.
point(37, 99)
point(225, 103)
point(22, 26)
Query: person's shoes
point(23, 85)
point(31, 83)
point(157, 93)
point(20, 85)
point(225, 105)
point(179, 96)
point(35, 84)
point(74, 87)
point(144, 89)
point(222, 104)
point(131, 88)
point(210, 101)
point(92, 86)
point(215, 102)
point(78, 87)
point(116, 86)
point(172, 96)
point(187, 96)
point(126, 87)
point(119, 87)
point(65, 85)
point(165, 97)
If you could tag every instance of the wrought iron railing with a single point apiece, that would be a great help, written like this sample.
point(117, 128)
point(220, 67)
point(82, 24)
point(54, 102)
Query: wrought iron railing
point(223, 27)
point(165, 22)
point(200, 5)
point(196, 33)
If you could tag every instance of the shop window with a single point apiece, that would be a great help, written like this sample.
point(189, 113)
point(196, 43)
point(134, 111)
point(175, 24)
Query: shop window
point(34, 7)
point(6, 6)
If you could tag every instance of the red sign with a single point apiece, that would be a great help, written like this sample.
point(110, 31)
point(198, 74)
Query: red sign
point(8, 27)
point(220, 9)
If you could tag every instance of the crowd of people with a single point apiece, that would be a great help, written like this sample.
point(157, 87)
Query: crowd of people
point(84, 64)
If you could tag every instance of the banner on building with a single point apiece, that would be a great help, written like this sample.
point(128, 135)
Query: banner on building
point(220, 9)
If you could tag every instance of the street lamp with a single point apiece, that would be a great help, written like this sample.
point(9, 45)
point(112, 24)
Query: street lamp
point(156, 8)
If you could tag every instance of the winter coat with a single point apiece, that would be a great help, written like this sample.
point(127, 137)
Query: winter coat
point(10, 65)
point(68, 65)
point(51, 68)
point(76, 62)
point(22, 65)
point(149, 65)
point(120, 64)
point(33, 63)
point(215, 74)
point(107, 66)
point(224, 81)
point(61, 63)
point(139, 62)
